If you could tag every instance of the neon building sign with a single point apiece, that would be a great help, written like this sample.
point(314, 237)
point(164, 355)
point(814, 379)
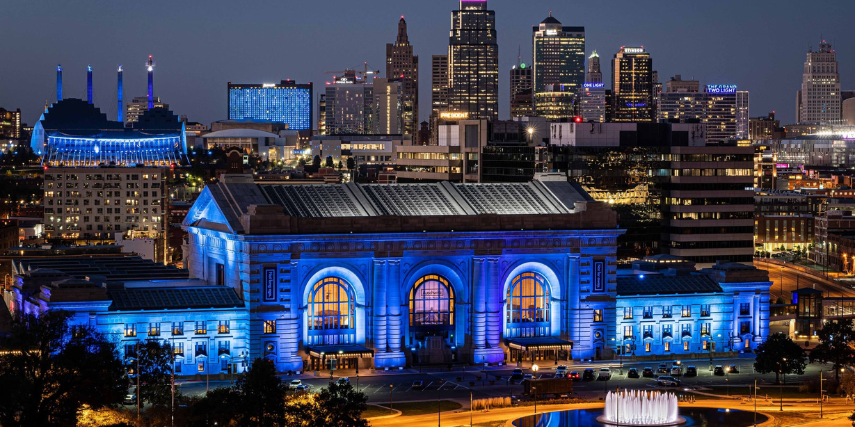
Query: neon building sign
point(593, 85)
point(721, 89)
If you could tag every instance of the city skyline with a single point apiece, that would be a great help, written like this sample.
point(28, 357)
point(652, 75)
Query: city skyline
point(698, 41)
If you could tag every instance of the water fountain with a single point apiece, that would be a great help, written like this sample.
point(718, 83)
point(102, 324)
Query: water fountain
point(641, 408)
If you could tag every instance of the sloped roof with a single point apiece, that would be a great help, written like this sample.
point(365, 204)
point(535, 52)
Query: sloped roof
point(174, 298)
point(240, 133)
point(655, 284)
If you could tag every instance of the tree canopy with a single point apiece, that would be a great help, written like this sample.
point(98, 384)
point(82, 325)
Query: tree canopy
point(779, 354)
point(835, 339)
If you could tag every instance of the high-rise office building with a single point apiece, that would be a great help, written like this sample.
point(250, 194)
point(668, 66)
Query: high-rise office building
point(742, 114)
point(521, 93)
point(439, 84)
point(349, 105)
point(559, 55)
point(388, 105)
point(10, 123)
point(139, 105)
point(402, 64)
point(473, 61)
point(677, 84)
point(819, 99)
point(722, 108)
point(286, 102)
point(594, 74)
point(765, 128)
point(554, 102)
point(632, 85)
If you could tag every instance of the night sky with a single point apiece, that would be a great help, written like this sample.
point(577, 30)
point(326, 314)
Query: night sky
point(199, 46)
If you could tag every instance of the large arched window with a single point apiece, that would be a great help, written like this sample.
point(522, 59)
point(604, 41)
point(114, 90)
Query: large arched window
point(332, 316)
point(527, 308)
point(432, 302)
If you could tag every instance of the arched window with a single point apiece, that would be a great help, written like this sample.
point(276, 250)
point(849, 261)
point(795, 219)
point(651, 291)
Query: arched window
point(432, 302)
point(527, 309)
point(331, 312)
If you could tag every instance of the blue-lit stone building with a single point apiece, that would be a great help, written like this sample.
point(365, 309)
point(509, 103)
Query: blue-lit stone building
point(287, 102)
point(133, 300)
point(74, 133)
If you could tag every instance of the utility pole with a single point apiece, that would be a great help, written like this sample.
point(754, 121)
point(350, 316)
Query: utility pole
point(755, 402)
point(139, 396)
point(820, 393)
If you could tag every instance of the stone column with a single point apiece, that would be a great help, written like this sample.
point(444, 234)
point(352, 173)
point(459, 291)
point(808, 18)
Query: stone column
point(493, 304)
point(574, 310)
point(292, 320)
point(478, 305)
point(394, 357)
point(378, 303)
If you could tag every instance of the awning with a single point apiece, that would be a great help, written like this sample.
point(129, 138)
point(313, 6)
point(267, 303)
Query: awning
point(539, 343)
point(351, 350)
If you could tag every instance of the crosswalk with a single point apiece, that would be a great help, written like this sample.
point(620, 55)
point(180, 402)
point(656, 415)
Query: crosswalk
point(402, 387)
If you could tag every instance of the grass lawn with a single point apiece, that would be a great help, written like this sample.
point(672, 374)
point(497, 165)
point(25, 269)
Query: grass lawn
point(762, 391)
point(421, 408)
point(375, 411)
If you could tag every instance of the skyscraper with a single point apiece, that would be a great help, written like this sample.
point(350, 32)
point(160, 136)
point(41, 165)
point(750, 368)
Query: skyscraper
point(388, 105)
point(559, 55)
point(594, 73)
point(721, 108)
point(473, 61)
point(284, 102)
point(592, 96)
point(819, 100)
point(349, 105)
point(632, 85)
point(439, 84)
point(520, 93)
point(402, 64)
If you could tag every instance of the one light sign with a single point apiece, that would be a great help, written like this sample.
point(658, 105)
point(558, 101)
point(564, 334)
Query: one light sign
point(593, 85)
point(454, 115)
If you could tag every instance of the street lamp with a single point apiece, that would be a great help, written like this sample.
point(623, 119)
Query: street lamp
point(782, 282)
point(534, 392)
point(535, 368)
point(391, 386)
point(820, 393)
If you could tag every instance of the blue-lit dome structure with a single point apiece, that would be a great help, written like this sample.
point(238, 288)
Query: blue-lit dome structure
point(73, 132)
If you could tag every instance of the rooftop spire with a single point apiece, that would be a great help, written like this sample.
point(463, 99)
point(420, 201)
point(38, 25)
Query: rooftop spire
point(402, 32)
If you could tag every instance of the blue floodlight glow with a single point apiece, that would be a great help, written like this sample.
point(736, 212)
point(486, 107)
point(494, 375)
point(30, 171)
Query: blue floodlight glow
point(721, 89)
point(276, 104)
point(80, 151)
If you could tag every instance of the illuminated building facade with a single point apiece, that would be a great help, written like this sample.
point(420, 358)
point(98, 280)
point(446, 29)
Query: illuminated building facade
point(408, 290)
point(10, 124)
point(389, 107)
point(349, 105)
point(559, 55)
point(555, 102)
point(139, 105)
point(632, 85)
point(592, 102)
point(819, 100)
point(722, 108)
point(521, 91)
point(286, 102)
point(402, 64)
point(74, 133)
point(473, 61)
point(439, 84)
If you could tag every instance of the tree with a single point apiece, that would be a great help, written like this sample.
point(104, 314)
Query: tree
point(847, 383)
point(351, 163)
point(217, 407)
point(155, 365)
point(328, 162)
point(301, 162)
point(48, 371)
point(835, 339)
point(262, 394)
point(341, 405)
point(316, 162)
point(340, 166)
point(779, 354)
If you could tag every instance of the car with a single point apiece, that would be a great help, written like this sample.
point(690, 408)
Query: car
point(343, 381)
point(561, 369)
point(718, 371)
point(633, 373)
point(605, 374)
point(294, 384)
point(130, 399)
point(691, 371)
point(647, 372)
point(528, 377)
point(588, 375)
point(302, 388)
point(560, 375)
point(667, 381)
point(574, 375)
point(676, 371)
point(733, 369)
point(663, 369)
point(418, 385)
point(517, 375)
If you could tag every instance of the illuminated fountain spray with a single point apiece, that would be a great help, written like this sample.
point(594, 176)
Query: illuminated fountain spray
point(641, 408)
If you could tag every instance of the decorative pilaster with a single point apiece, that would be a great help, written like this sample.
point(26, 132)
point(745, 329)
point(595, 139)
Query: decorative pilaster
point(291, 324)
point(479, 308)
point(378, 302)
point(394, 357)
point(494, 304)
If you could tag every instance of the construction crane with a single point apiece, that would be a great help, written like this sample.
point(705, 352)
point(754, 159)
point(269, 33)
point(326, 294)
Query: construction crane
point(362, 74)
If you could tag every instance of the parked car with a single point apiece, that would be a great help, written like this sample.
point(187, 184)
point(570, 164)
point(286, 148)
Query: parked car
point(588, 375)
point(418, 385)
point(718, 370)
point(561, 369)
point(633, 373)
point(604, 375)
point(733, 369)
point(302, 388)
point(294, 384)
point(517, 375)
point(574, 375)
point(528, 377)
point(663, 369)
point(667, 381)
point(343, 381)
point(691, 371)
point(130, 399)
point(647, 372)
point(560, 375)
point(676, 371)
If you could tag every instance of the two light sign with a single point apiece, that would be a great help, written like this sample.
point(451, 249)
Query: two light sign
point(721, 89)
